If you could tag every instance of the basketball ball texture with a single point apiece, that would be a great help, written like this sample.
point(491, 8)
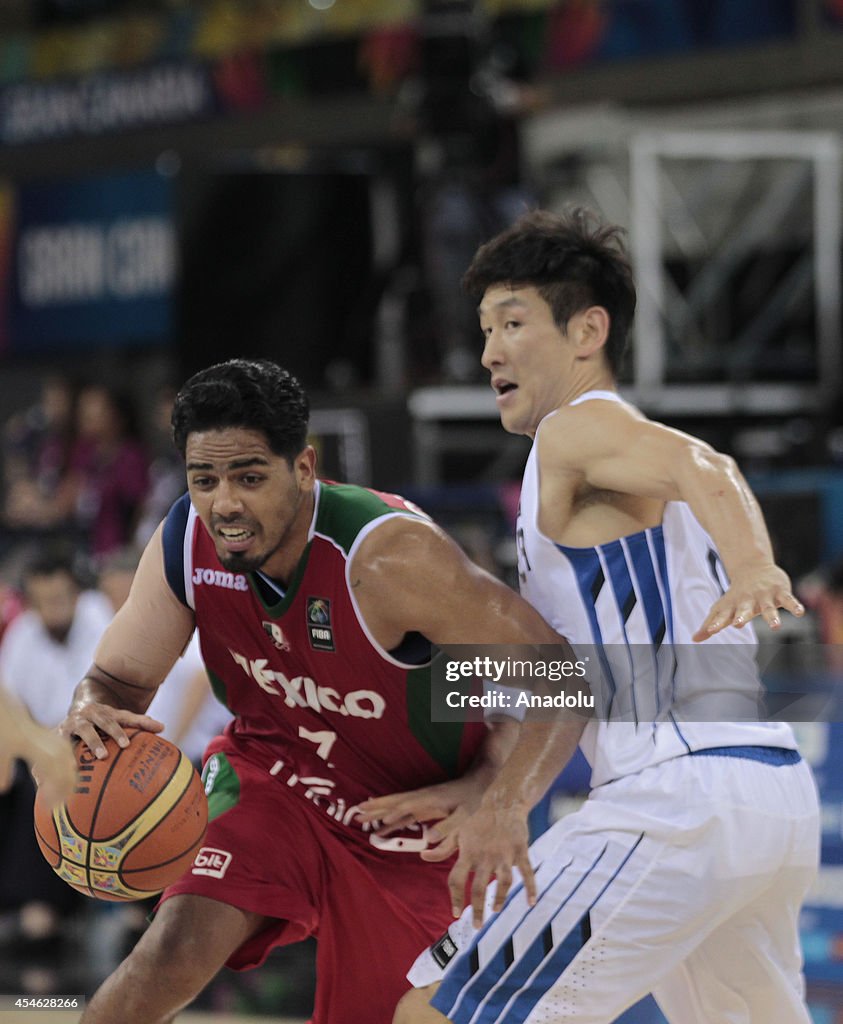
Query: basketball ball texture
point(133, 824)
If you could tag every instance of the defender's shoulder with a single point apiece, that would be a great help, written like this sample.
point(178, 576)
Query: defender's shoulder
point(574, 433)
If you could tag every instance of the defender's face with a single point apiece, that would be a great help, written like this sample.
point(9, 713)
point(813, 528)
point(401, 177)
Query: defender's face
point(249, 499)
point(529, 357)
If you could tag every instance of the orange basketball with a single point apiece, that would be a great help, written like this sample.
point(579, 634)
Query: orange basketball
point(133, 824)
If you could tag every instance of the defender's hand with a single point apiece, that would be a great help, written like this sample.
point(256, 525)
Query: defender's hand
point(429, 803)
point(53, 765)
point(7, 770)
point(756, 590)
point(491, 842)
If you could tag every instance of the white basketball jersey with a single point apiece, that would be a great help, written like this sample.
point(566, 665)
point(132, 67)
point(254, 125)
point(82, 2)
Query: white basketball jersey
point(631, 606)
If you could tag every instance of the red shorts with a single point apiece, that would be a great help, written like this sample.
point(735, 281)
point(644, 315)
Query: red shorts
point(372, 911)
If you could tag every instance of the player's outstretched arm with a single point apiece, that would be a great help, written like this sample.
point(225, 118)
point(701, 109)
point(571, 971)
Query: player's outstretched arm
point(409, 576)
point(48, 754)
point(723, 502)
point(135, 654)
point(617, 449)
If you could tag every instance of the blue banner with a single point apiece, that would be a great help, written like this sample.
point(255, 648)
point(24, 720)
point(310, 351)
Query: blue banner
point(106, 102)
point(93, 263)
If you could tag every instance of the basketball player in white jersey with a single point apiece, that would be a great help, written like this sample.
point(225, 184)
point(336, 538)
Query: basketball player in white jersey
point(684, 872)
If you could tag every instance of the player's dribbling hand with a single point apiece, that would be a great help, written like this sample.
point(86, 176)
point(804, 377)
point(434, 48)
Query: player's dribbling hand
point(88, 721)
point(755, 590)
point(491, 842)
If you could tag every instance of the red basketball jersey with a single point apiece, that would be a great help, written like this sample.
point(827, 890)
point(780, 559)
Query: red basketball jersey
point(317, 701)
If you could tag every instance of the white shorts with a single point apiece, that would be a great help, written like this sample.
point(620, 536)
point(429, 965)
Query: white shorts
point(684, 880)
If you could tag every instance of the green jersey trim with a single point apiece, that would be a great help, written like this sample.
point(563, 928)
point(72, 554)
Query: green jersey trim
point(218, 687)
point(344, 509)
point(222, 785)
point(441, 740)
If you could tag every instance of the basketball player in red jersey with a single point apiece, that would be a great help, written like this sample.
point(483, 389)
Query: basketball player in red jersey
point(316, 605)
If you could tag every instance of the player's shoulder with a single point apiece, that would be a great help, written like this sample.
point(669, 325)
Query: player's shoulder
point(172, 535)
point(595, 408)
point(581, 431)
point(175, 522)
point(346, 512)
point(404, 551)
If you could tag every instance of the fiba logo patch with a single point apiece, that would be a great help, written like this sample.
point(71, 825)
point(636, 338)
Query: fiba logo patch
point(319, 624)
point(211, 862)
point(276, 635)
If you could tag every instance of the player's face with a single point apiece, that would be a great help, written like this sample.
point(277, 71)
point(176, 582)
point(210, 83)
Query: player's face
point(255, 506)
point(530, 359)
point(54, 598)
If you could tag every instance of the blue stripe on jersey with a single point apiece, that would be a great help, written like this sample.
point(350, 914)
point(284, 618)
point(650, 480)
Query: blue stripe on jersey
point(589, 573)
point(625, 599)
point(661, 556)
point(517, 978)
point(648, 586)
point(776, 756)
point(458, 977)
point(713, 562)
point(621, 580)
point(562, 955)
point(173, 539)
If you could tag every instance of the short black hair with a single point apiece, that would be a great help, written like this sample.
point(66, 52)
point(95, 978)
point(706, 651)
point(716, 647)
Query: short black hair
point(55, 559)
point(574, 261)
point(256, 394)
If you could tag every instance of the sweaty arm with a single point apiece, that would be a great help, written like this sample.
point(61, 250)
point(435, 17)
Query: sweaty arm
point(617, 449)
point(409, 575)
point(136, 652)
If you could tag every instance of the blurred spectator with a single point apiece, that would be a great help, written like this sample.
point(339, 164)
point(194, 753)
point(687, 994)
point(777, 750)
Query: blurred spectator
point(822, 593)
point(185, 702)
point(187, 706)
point(11, 605)
point(166, 473)
point(109, 468)
point(36, 456)
point(43, 655)
point(47, 649)
point(830, 606)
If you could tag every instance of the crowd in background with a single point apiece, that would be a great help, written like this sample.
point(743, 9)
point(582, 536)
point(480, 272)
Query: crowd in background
point(82, 494)
point(75, 465)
